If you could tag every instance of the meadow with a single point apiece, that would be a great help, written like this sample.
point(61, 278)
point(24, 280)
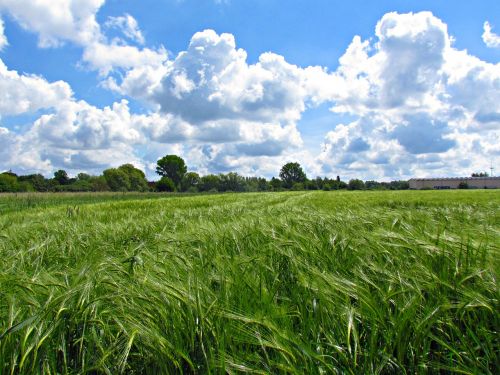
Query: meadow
point(293, 282)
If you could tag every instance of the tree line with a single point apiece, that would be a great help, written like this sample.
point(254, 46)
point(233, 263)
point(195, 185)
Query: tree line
point(175, 177)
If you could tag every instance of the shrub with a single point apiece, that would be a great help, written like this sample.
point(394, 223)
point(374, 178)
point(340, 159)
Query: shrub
point(165, 184)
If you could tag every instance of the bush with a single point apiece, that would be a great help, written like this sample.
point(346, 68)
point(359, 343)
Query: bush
point(298, 186)
point(356, 184)
point(165, 184)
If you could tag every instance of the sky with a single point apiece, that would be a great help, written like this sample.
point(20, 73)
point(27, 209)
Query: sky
point(379, 90)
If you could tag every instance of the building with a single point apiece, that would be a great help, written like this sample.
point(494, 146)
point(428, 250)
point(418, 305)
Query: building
point(454, 182)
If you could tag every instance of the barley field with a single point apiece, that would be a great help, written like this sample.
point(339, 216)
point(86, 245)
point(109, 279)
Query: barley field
point(258, 283)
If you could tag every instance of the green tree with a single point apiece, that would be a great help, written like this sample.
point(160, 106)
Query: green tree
point(165, 184)
point(83, 177)
point(61, 177)
point(8, 183)
point(292, 173)
point(99, 183)
point(231, 182)
point(38, 182)
point(136, 177)
point(117, 179)
point(276, 184)
point(190, 181)
point(209, 182)
point(356, 184)
point(173, 167)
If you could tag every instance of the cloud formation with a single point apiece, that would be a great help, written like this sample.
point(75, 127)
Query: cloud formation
point(20, 93)
point(60, 21)
point(491, 39)
point(418, 103)
point(56, 21)
point(128, 26)
point(417, 98)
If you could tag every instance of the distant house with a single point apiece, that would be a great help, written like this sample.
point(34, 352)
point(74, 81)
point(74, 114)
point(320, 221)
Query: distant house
point(454, 182)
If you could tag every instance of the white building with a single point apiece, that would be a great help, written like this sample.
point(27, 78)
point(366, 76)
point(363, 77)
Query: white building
point(454, 182)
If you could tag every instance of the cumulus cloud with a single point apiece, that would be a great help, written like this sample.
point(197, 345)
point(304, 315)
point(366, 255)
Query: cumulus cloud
point(57, 21)
point(418, 100)
point(418, 103)
point(60, 21)
point(29, 93)
point(210, 94)
point(107, 57)
point(77, 136)
point(212, 81)
point(69, 133)
point(491, 39)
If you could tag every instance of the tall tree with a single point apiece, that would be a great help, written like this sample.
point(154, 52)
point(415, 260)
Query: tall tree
point(117, 179)
point(136, 177)
point(292, 173)
point(173, 167)
point(190, 181)
point(61, 177)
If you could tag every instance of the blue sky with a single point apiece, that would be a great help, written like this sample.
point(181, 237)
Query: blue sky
point(376, 90)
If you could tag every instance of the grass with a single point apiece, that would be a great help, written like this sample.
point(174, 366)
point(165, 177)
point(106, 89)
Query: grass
point(302, 282)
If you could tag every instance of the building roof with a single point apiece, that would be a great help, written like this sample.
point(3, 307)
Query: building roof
point(455, 178)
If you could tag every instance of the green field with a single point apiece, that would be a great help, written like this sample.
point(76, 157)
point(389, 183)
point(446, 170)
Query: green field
point(301, 283)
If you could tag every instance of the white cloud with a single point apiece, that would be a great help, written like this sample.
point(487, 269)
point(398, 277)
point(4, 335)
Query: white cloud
point(491, 39)
point(77, 136)
point(210, 95)
point(420, 105)
point(3, 38)
point(69, 134)
point(60, 21)
point(107, 57)
point(21, 93)
point(129, 27)
point(80, 126)
point(57, 21)
point(418, 99)
point(212, 81)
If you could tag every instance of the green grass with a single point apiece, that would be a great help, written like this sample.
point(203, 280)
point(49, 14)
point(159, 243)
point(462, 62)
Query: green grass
point(299, 283)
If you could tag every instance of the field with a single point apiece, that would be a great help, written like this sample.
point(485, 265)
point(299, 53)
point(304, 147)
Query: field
point(297, 282)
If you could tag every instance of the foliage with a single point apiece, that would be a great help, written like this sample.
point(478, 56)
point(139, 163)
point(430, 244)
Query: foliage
point(356, 184)
point(129, 178)
point(126, 178)
point(294, 282)
point(480, 174)
point(166, 184)
point(172, 166)
point(61, 177)
point(117, 179)
point(209, 182)
point(276, 184)
point(292, 173)
point(136, 178)
point(231, 182)
point(190, 180)
point(8, 183)
point(463, 185)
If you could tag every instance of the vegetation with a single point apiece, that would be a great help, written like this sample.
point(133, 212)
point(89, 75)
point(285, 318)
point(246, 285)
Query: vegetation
point(173, 167)
point(292, 173)
point(293, 282)
point(176, 178)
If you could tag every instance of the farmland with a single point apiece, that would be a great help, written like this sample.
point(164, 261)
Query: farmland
point(293, 282)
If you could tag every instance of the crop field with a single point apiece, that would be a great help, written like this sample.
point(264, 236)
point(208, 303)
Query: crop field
point(295, 282)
